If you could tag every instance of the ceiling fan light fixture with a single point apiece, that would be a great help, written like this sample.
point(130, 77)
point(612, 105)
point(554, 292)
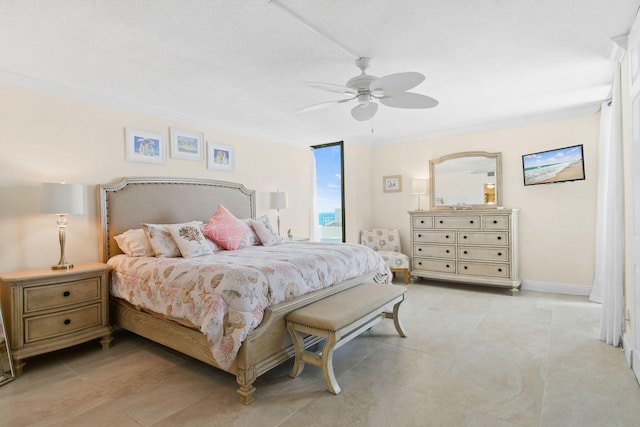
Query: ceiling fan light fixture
point(363, 99)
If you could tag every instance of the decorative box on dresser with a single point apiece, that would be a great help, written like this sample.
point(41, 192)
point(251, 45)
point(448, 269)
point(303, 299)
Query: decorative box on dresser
point(46, 310)
point(470, 246)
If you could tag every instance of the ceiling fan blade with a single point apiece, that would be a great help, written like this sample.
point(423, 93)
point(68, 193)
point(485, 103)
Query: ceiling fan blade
point(333, 88)
point(399, 82)
point(408, 100)
point(322, 105)
point(362, 114)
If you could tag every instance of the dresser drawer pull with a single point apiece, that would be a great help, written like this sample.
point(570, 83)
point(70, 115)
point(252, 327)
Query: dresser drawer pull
point(66, 294)
point(464, 237)
point(465, 267)
point(499, 237)
point(447, 251)
point(499, 253)
point(500, 270)
point(471, 222)
point(495, 222)
point(446, 236)
point(422, 221)
point(419, 262)
point(419, 249)
point(441, 221)
point(447, 265)
point(67, 321)
point(419, 235)
point(465, 252)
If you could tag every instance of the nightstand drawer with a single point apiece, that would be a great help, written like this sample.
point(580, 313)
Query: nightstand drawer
point(54, 296)
point(52, 325)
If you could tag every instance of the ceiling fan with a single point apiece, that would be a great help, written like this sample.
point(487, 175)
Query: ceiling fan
point(390, 90)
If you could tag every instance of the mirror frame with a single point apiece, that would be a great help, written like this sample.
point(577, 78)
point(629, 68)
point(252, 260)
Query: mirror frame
point(432, 178)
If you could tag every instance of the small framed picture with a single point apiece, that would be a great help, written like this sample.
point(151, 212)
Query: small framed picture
point(186, 144)
point(145, 146)
point(392, 183)
point(221, 157)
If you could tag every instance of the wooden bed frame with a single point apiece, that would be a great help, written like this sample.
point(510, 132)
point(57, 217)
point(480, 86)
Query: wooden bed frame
point(127, 203)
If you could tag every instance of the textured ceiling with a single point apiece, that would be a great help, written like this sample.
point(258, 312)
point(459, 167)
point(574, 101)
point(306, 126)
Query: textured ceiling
point(240, 66)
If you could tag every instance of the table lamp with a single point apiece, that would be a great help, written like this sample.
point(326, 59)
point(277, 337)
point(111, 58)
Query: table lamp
point(278, 200)
point(419, 187)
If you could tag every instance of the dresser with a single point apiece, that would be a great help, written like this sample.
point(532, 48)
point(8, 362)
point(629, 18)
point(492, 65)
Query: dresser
point(470, 246)
point(46, 310)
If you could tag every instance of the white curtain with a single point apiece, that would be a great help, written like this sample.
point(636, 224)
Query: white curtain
point(608, 283)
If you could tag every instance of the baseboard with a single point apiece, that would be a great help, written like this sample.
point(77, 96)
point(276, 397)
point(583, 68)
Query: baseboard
point(556, 288)
point(628, 349)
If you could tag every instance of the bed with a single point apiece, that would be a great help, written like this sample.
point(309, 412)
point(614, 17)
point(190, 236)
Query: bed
point(129, 202)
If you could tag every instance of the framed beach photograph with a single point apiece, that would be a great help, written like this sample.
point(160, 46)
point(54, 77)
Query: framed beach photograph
point(186, 144)
point(221, 157)
point(392, 183)
point(144, 146)
point(553, 166)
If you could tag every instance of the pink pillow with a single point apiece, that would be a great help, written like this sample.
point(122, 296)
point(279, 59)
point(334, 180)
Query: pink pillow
point(225, 229)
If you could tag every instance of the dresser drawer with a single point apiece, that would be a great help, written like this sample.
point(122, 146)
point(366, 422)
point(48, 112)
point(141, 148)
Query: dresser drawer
point(38, 298)
point(488, 254)
point(434, 236)
point(495, 222)
point(422, 222)
point(484, 238)
point(51, 325)
point(437, 251)
point(483, 269)
point(468, 221)
point(434, 265)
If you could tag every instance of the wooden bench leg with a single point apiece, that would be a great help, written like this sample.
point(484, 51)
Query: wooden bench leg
point(396, 319)
point(298, 345)
point(327, 365)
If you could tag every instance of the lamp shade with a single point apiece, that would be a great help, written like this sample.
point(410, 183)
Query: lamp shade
point(62, 198)
point(278, 200)
point(419, 186)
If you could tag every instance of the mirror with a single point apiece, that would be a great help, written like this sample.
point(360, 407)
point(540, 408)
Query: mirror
point(469, 180)
point(6, 365)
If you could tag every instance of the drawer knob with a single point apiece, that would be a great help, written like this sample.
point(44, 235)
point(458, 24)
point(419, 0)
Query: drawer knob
point(447, 251)
point(419, 263)
point(499, 237)
point(447, 265)
point(67, 321)
point(419, 249)
point(421, 221)
point(499, 253)
point(465, 267)
point(495, 222)
point(441, 221)
point(471, 222)
point(464, 237)
point(419, 235)
point(66, 294)
point(465, 252)
point(446, 236)
point(500, 270)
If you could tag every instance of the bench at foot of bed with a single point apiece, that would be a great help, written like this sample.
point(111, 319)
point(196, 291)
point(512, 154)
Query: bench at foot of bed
point(340, 318)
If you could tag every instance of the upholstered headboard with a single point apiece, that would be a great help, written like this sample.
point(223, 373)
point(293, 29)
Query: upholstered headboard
point(128, 202)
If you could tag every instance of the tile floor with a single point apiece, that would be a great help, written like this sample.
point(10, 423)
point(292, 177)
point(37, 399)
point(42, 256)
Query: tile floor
point(473, 357)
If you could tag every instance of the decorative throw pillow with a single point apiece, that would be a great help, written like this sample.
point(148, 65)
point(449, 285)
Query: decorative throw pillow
point(134, 243)
point(189, 240)
point(249, 239)
point(161, 241)
point(225, 229)
point(265, 231)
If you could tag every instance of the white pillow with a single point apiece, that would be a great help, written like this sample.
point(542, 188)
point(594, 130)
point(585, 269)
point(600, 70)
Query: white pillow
point(163, 244)
point(189, 239)
point(265, 231)
point(134, 243)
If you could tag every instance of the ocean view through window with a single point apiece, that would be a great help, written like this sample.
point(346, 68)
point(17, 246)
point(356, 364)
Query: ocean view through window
point(329, 193)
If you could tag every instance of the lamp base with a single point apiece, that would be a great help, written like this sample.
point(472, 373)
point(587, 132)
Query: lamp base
point(62, 267)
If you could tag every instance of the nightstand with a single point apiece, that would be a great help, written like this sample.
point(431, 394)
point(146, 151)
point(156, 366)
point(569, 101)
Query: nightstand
point(46, 310)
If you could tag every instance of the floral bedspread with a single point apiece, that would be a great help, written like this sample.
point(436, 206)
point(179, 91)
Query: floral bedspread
point(225, 294)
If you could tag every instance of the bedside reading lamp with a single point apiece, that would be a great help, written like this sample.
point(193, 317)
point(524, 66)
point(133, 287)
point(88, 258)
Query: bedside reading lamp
point(278, 200)
point(62, 199)
point(419, 187)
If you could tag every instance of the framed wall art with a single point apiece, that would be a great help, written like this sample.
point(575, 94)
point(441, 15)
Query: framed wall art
point(220, 157)
point(144, 146)
point(186, 144)
point(392, 183)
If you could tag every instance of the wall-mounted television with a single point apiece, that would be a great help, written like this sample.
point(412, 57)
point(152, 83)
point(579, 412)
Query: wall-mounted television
point(548, 167)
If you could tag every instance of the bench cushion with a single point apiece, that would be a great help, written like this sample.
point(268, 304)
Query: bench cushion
point(344, 308)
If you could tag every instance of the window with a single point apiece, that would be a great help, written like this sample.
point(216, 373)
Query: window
point(329, 193)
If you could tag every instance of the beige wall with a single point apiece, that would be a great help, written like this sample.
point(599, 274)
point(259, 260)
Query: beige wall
point(557, 221)
point(47, 138)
